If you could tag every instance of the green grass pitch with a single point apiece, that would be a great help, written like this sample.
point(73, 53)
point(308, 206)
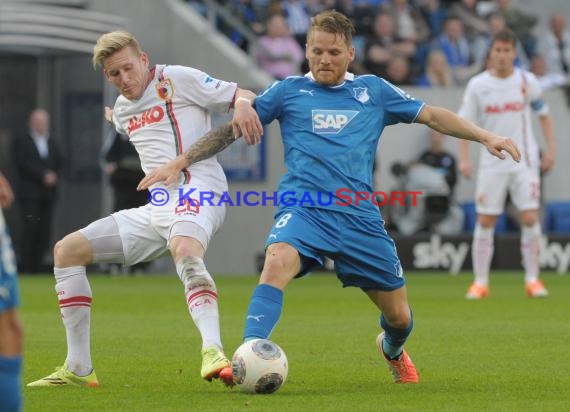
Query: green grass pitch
point(507, 353)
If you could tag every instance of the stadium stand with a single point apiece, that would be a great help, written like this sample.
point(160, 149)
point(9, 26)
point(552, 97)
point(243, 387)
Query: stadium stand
point(557, 217)
point(62, 25)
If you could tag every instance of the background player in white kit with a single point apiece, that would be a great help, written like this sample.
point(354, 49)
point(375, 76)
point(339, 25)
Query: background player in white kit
point(500, 100)
point(163, 110)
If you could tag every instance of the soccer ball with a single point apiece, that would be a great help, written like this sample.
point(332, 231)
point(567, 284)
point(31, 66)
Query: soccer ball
point(259, 366)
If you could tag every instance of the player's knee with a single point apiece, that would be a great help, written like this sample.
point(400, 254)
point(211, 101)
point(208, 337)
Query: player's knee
point(72, 250)
point(282, 263)
point(277, 272)
point(487, 222)
point(399, 319)
point(182, 247)
point(529, 219)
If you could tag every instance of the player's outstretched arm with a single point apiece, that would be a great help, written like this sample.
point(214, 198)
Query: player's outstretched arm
point(208, 145)
point(449, 123)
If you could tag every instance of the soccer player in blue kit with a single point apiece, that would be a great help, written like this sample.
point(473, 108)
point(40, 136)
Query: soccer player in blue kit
point(10, 327)
point(331, 121)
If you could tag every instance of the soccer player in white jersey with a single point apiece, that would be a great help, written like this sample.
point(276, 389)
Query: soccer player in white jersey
point(163, 110)
point(500, 100)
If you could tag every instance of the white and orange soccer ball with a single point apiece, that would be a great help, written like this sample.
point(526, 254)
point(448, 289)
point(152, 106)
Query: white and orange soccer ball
point(259, 366)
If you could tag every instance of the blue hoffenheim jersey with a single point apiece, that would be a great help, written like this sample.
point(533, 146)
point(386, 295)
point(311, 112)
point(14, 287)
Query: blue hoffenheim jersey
point(330, 136)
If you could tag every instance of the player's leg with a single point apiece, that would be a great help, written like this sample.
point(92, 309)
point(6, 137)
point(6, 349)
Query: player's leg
point(294, 245)
point(481, 254)
point(490, 199)
point(10, 360)
point(71, 255)
point(10, 327)
point(282, 264)
point(530, 249)
point(525, 193)
point(397, 322)
point(190, 228)
point(377, 271)
point(100, 242)
point(188, 248)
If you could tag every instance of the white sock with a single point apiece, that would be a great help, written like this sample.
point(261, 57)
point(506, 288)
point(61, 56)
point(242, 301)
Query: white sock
point(482, 253)
point(74, 296)
point(530, 248)
point(201, 298)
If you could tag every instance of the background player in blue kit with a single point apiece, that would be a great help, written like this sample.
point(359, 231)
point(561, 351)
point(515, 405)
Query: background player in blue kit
point(10, 328)
point(331, 121)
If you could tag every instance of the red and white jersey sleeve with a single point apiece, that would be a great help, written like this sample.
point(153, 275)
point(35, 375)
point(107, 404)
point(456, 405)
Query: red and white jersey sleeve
point(172, 113)
point(503, 106)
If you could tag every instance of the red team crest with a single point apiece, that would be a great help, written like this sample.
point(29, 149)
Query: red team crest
point(164, 89)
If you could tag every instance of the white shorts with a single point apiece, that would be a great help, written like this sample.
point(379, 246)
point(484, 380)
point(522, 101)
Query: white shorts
point(145, 232)
point(492, 189)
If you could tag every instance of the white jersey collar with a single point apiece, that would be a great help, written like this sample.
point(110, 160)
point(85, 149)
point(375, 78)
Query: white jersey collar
point(347, 76)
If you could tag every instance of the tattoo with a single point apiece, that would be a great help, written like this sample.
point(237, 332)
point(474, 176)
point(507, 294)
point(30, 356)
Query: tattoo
point(211, 143)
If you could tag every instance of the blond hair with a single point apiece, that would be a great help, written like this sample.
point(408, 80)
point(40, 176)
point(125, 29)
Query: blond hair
point(112, 42)
point(331, 21)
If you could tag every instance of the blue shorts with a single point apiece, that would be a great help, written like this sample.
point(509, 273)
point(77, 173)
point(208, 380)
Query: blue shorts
point(364, 254)
point(9, 292)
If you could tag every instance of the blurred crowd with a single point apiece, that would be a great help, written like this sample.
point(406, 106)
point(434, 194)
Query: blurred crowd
point(428, 43)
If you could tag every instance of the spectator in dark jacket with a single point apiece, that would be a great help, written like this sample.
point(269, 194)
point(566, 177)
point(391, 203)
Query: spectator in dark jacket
point(38, 161)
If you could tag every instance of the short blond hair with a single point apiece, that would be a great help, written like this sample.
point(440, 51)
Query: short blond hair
point(331, 21)
point(112, 42)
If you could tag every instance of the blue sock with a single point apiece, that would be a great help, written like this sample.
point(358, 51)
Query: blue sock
point(10, 389)
point(263, 312)
point(394, 339)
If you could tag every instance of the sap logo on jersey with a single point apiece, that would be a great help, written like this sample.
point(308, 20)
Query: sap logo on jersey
point(331, 121)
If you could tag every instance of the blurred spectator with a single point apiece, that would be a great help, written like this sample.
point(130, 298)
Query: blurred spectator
point(123, 166)
point(279, 55)
point(453, 43)
point(554, 46)
point(408, 21)
point(435, 175)
point(410, 25)
point(362, 16)
point(547, 80)
point(361, 13)
point(437, 71)
point(474, 24)
point(298, 19)
point(38, 161)
point(443, 161)
point(383, 44)
point(244, 11)
point(398, 71)
point(520, 23)
point(314, 7)
point(435, 15)
point(497, 23)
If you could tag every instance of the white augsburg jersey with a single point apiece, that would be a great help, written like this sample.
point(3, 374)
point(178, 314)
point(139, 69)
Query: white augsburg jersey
point(502, 106)
point(171, 115)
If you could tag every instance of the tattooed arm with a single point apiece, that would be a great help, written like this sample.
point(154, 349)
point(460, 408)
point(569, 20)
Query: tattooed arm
point(208, 145)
